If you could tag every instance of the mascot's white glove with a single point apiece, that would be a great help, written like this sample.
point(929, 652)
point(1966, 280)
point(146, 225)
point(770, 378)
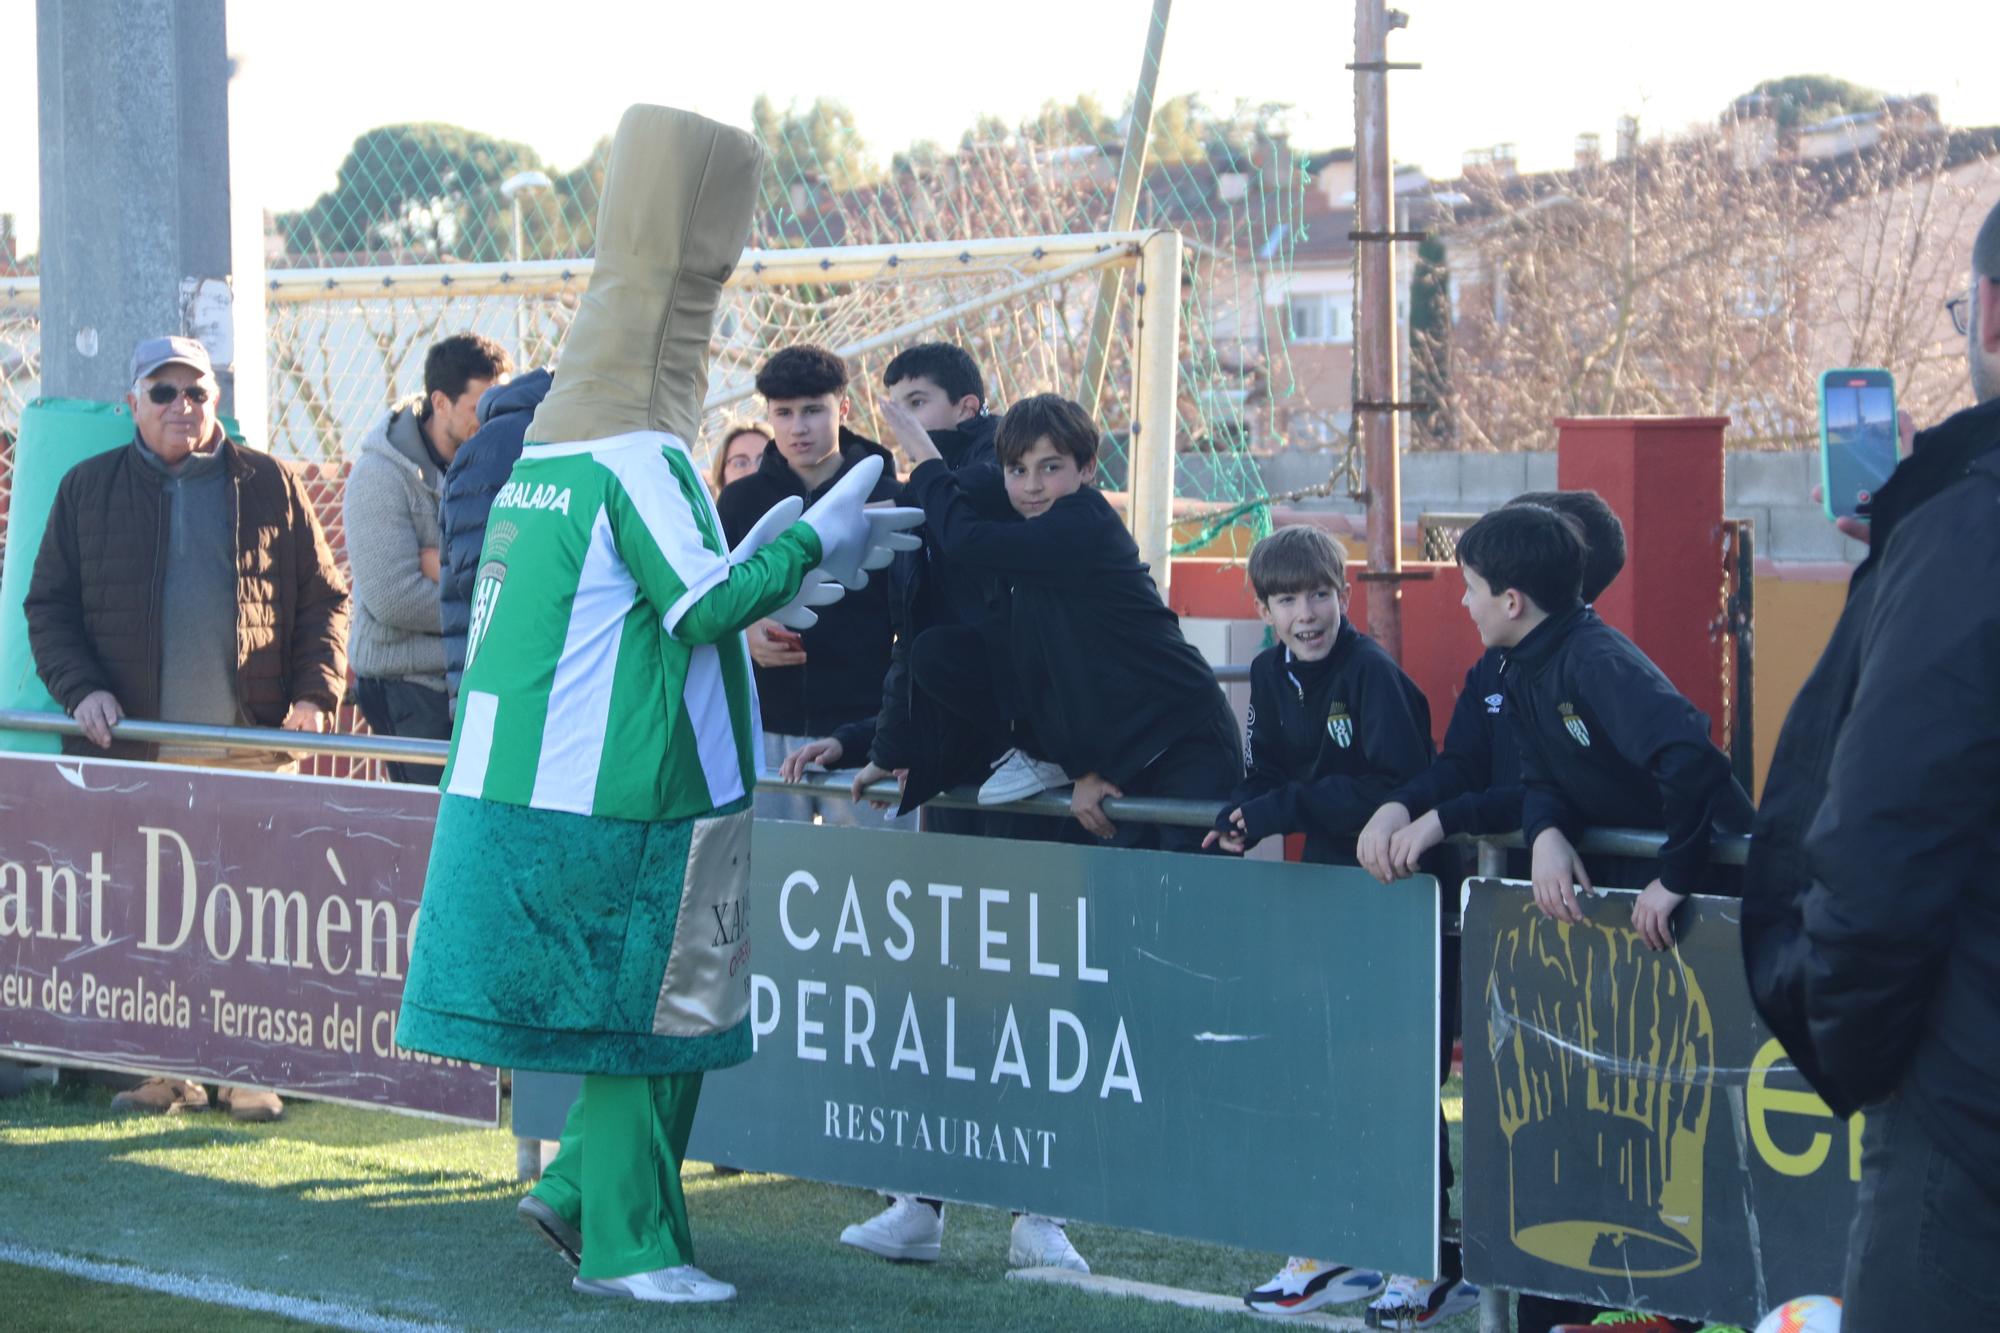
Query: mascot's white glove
point(854, 539)
point(816, 590)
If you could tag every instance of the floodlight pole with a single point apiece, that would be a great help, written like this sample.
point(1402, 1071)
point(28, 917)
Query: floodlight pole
point(136, 217)
point(1376, 412)
point(1124, 206)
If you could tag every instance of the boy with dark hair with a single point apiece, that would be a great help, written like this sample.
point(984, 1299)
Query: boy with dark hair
point(1334, 722)
point(1605, 738)
point(1474, 786)
point(1334, 725)
point(943, 389)
point(1096, 665)
point(811, 681)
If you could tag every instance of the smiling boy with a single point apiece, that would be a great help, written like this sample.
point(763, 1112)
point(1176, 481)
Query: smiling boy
point(1104, 680)
point(1334, 726)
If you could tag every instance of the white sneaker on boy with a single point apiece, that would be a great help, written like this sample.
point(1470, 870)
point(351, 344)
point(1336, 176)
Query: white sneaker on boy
point(1041, 1242)
point(1016, 777)
point(1414, 1302)
point(908, 1230)
point(1307, 1284)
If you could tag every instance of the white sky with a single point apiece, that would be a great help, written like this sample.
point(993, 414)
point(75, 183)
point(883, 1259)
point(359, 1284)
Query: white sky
point(1532, 72)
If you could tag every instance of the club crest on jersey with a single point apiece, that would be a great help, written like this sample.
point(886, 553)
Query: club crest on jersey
point(1339, 725)
point(1574, 725)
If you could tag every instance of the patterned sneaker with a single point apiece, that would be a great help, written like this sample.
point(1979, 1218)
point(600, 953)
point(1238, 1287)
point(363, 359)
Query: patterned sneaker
point(1017, 777)
point(686, 1285)
point(1306, 1284)
point(563, 1238)
point(1041, 1242)
point(1413, 1302)
point(908, 1230)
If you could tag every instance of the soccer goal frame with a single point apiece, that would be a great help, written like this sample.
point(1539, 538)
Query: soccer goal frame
point(1031, 263)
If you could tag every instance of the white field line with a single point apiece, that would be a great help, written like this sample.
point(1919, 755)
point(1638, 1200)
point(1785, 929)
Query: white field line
point(1187, 1300)
point(214, 1292)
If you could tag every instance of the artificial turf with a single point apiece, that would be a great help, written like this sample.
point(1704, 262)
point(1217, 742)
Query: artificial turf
point(414, 1219)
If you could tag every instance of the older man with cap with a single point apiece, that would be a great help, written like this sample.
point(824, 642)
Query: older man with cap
point(184, 578)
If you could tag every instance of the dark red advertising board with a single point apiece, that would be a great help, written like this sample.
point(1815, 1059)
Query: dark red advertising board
point(225, 926)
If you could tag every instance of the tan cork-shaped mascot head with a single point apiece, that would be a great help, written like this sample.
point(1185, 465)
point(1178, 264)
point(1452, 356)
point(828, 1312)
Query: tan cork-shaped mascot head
point(679, 190)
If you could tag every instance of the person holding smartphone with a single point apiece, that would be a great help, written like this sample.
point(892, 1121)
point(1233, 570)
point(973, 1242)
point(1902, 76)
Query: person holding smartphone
point(1871, 913)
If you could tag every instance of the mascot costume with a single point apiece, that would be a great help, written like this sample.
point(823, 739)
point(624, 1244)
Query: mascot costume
point(585, 910)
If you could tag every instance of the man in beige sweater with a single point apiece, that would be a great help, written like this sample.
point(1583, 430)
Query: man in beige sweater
point(391, 513)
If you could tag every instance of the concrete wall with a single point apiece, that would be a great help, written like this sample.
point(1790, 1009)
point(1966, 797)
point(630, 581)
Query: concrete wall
point(1773, 489)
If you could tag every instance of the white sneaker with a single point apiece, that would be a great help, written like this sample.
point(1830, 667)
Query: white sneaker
point(1041, 1242)
point(909, 1230)
point(1307, 1284)
point(1414, 1302)
point(686, 1285)
point(1016, 777)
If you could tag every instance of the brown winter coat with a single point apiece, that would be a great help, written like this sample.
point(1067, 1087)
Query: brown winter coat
point(93, 605)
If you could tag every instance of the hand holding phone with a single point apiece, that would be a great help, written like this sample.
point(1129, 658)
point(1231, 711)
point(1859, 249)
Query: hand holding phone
point(1857, 439)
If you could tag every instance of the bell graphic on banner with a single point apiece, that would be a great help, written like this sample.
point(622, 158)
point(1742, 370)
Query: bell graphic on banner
point(1604, 1056)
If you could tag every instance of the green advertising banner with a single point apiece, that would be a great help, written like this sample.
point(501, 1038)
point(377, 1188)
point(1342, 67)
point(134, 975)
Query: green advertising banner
point(1236, 1051)
point(1634, 1135)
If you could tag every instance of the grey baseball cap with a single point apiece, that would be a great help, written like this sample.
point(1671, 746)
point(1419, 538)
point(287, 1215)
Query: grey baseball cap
point(153, 353)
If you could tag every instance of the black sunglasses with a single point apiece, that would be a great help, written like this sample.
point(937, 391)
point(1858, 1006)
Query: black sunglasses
point(162, 394)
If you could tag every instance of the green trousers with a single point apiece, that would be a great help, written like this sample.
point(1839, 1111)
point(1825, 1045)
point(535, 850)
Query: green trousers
point(617, 1175)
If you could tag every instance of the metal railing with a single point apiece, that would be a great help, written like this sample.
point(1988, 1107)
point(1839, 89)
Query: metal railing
point(1726, 849)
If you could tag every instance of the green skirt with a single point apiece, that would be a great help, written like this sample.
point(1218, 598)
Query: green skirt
point(580, 945)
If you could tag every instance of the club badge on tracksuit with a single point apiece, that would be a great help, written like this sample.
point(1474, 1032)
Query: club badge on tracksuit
point(1574, 725)
point(1339, 725)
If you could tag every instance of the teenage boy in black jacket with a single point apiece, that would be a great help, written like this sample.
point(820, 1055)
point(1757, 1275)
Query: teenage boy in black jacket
point(1474, 785)
point(927, 748)
point(821, 678)
point(1096, 662)
point(941, 386)
point(1605, 738)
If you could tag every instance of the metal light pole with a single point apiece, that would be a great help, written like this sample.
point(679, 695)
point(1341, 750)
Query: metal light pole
point(511, 190)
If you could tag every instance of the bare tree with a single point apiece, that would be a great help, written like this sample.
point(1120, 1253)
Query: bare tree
point(1686, 280)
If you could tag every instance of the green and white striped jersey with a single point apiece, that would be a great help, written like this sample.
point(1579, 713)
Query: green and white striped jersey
point(605, 667)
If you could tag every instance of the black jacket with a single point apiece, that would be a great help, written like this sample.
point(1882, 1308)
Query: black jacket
point(847, 652)
point(1475, 782)
point(1327, 742)
point(925, 589)
point(1607, 741)
point(1104, 678)
point(1871, 922)
point(477, 472)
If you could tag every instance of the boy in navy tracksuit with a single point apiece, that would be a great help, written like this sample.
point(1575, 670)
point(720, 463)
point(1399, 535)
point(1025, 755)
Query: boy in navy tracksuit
point(1605, 738)
point(1474, 786)
point(1335, 725)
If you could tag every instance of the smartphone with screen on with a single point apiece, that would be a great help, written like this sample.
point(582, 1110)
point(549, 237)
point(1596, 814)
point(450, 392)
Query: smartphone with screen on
point(1857, 438)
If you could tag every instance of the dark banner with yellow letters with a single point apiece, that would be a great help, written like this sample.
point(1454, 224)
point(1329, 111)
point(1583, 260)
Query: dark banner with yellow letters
point(1634, 1135)
point(223, 926)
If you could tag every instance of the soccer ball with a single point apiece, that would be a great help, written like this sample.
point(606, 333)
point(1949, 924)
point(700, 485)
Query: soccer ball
point(1803, 1314)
